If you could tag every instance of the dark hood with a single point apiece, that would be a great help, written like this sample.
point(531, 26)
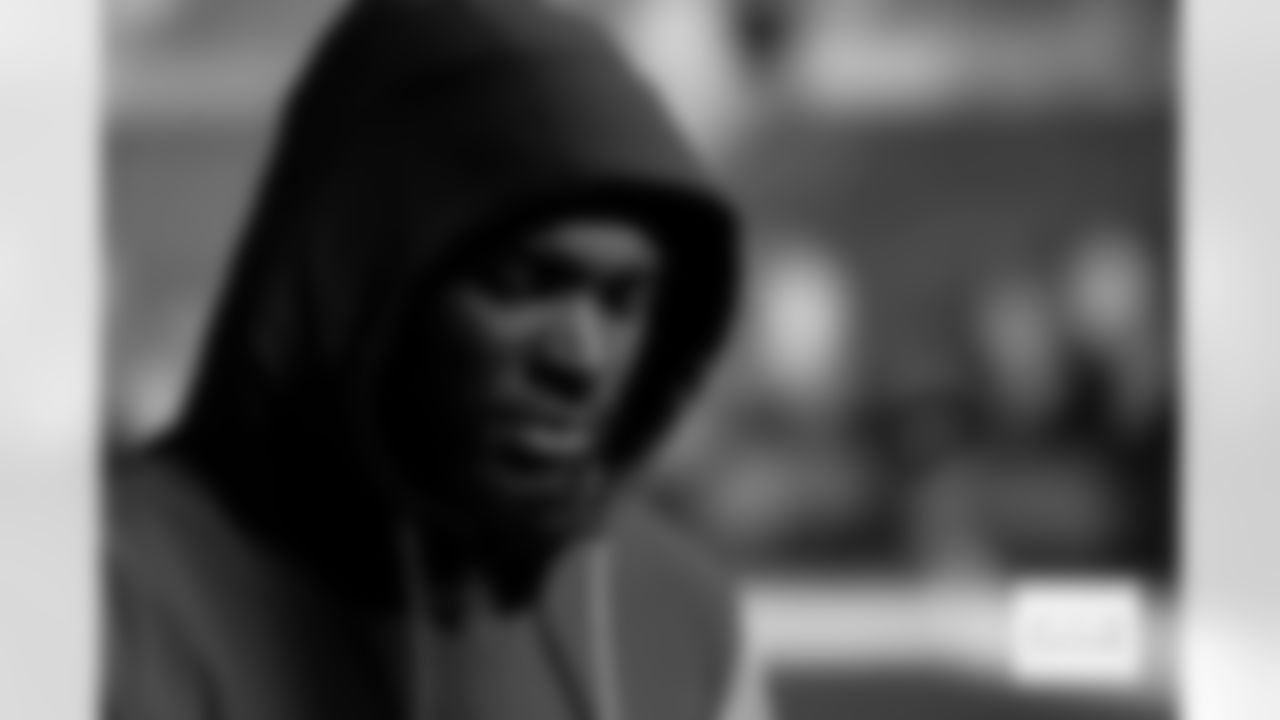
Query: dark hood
point(419, 127)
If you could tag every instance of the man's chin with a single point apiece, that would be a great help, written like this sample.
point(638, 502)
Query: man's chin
point(560, 506)
point(494, 500)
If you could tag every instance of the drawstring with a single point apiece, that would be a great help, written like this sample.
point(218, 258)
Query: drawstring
point(600, 699)
point(601, 628)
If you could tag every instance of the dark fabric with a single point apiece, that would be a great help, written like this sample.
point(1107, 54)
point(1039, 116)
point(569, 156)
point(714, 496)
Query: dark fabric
point(205, 623)
point(420, 129)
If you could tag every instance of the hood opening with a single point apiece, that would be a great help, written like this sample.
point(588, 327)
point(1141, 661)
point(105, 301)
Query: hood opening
point(689, 324)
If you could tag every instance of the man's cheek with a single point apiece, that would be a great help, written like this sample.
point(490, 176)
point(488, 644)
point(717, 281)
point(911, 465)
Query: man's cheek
point(624, 369)
point(636, 344)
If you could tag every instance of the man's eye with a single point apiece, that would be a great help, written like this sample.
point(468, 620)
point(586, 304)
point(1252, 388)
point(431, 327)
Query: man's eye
point(626, 297)
point(517, 280)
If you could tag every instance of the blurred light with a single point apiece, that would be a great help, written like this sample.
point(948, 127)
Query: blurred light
point(1020, 337)
point(1076, 633)
point(805, 318)
point(847, 61)
point(154, 392)
point(685, 48)
point(970, 631)
point(856, 57)
point(1111, 285)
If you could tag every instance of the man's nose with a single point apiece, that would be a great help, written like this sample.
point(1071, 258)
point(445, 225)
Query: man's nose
point(575, 351)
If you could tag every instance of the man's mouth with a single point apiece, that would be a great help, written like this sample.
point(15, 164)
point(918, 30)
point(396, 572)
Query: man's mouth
point(552, 443)
point(544, 462)
point(553, 434)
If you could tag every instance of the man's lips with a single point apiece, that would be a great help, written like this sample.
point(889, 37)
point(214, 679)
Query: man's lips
point(552, 441)
point(540, 460)
point(545, 437)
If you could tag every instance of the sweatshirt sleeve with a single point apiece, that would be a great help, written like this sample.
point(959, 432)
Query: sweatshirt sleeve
point(149, 674)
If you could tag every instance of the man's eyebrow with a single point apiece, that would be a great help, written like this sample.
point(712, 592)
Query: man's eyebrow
point(542, 259)
point(521, 252)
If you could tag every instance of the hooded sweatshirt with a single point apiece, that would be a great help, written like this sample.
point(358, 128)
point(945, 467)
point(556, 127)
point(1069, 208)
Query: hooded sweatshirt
point(256, 561)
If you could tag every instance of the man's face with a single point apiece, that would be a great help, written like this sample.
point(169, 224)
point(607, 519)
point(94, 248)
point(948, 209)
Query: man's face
point(523, 357)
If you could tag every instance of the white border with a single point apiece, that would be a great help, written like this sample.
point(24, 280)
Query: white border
point(48, 319)
point(1232, 290)
point(49, 305)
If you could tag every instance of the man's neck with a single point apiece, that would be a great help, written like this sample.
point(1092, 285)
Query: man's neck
point(451, 568)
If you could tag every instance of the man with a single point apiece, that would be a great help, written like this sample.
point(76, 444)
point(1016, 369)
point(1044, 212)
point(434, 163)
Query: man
point(482, 278)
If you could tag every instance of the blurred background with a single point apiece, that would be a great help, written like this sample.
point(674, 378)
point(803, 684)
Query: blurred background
point(957, 368)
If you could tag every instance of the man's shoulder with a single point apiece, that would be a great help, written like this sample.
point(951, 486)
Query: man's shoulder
point(668, 559)
point(151, 523)
point(167, 536)
point(151, 504)
point(682, 591)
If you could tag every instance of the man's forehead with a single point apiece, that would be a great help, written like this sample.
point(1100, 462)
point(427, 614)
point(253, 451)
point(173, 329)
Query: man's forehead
point(604, 241)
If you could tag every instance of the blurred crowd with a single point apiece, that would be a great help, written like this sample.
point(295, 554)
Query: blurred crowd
point(1036, 435)
point(959, 355)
